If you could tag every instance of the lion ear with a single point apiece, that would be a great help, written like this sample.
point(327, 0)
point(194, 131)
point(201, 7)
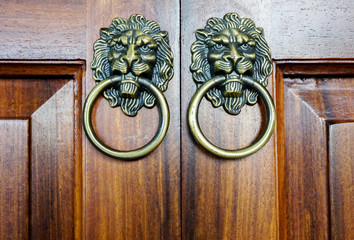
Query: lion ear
point(259, 30)
point(104, 32)
point(201, 34)
point(164, 35)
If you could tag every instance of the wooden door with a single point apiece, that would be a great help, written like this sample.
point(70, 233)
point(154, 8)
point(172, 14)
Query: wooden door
point(56, 185)
point(299, 186)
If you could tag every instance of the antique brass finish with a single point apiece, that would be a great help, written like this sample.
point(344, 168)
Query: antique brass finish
point(231, 64)
point(132, 48)
point(244, 152)
point(231, 47)
point(132, 66)
point(134, 154)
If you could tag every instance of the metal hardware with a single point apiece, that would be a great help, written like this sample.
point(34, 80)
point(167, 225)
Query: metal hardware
point(199, 136)
point(134, 154)
point(132, 66)
point(231, 64)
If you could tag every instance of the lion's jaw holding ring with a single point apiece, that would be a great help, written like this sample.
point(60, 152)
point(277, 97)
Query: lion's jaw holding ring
point(133, 54)
point(131, 49)
point(231, 47)
point(231, 53)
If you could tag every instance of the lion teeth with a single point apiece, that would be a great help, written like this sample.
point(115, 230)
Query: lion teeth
point(129, 90)
point(232, 89)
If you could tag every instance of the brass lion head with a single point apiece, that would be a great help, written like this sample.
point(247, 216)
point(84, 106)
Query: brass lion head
point(231, 47)
point(132, 48)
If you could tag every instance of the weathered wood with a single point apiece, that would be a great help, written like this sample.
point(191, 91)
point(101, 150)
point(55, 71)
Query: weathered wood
point(309, 29)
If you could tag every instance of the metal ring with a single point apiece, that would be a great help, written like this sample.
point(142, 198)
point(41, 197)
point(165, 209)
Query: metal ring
point(133, 154)
point(224, 153)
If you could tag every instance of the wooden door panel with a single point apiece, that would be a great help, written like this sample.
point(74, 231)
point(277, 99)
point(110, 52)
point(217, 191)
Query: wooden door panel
point(133, 199)
point(18, 98)
point(341, 176)
point(14, 172)
point(40, 162)
point(224, 199)
point(313, 98)
point(299, 186)
point(52, 167)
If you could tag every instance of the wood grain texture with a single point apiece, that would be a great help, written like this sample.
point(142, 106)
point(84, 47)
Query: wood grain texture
point(309, 29)
point(14, 172)
point(52, 157)
point(224, 199)
point(188, 194)
point(306, 104)
point(50, 96)
point(138, 199)
point(56, 29)
point(16, 95)
point(41, 29)
point(48, 68)
point(341, 156)
point(306, 167)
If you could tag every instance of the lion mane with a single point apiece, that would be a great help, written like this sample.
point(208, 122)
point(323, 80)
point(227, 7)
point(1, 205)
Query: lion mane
point(200, 68)
point(102, 69)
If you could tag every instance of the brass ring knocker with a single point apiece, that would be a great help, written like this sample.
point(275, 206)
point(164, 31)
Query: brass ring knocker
point(133, 154)
point(231, 64)
point(244, 152)
point(132, 65)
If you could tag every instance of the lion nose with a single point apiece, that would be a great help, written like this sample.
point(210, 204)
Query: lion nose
point(233, 55)
point(131, 55)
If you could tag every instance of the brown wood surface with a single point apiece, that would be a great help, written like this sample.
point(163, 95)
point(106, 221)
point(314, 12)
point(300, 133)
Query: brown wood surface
point(223, 199)
point(341, 175)
point(41, 155)
point(14, 187)
point(133, 199)
point(299, 186)
point(308, 102)
point(40, 29)
point(52, 167)
point(22, 102)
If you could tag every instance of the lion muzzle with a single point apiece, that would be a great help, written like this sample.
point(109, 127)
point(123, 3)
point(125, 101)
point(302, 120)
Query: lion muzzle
point(129, 88)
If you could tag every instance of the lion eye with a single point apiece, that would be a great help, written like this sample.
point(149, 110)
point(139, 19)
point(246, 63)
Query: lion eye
point(245, 47)
point(145, 49)
point(218, 47)
point(119, 47)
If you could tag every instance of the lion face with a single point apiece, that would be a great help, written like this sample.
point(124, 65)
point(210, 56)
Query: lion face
point(132, 54)
point(131, 49)
point(231, 53)
point(231, 47)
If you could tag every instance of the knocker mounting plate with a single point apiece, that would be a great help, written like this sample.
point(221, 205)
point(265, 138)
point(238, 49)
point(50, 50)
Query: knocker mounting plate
point(231, 47)
point(132, 48)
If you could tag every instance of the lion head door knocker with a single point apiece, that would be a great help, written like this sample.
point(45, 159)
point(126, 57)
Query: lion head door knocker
point(231, 64)
point(132, 66)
